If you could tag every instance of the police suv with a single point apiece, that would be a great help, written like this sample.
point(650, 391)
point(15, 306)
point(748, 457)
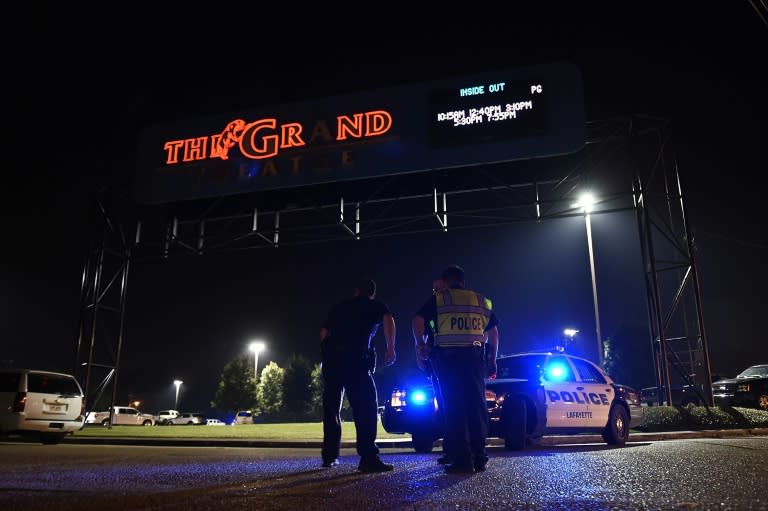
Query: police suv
point(533, 394)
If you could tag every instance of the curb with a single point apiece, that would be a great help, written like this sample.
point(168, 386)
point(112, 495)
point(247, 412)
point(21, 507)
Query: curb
point(549, 440)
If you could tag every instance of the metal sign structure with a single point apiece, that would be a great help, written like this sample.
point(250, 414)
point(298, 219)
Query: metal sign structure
point(479, 119)
point(631, 158)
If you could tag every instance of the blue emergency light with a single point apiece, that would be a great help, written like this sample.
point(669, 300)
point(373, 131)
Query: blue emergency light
point(557, 371)
point(419, 397)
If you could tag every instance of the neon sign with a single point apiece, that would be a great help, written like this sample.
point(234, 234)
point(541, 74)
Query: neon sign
point(493, 117)
point(264, 138)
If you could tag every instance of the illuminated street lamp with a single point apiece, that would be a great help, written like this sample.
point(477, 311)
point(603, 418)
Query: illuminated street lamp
point(256, 347)
point(178, 384)
point(569, 333)
point(586, 201)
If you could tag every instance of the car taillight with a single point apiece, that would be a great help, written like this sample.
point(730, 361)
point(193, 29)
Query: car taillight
point(20, 402)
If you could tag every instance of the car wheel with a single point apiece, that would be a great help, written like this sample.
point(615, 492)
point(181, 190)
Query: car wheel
point(515, 420)
point(762, 402)
point(51, 438)
point(105, 423)
point(422, 441)
point(616, 432)
point(147, 423)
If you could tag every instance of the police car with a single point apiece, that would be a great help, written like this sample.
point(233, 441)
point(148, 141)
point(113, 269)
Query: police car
point(414, 409)
point(533, 394)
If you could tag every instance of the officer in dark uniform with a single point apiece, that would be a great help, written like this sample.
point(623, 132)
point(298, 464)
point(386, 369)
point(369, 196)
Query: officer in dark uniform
point(348, 361)
point(463, 322)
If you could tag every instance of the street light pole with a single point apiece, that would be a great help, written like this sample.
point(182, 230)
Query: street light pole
point(256, 347)
point(178, 384)
point(600, 347)
point(586, 201)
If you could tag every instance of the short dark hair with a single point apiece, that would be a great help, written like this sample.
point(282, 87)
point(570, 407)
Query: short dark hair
point(453, 275)
point(367, 287)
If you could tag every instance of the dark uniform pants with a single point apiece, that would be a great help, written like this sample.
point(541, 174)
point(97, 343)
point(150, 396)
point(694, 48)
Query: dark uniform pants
point(461, 372)
point(438, 390)
point(355, 378)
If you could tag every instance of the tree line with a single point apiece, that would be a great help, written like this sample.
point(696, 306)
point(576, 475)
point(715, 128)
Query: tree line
point(293, 393)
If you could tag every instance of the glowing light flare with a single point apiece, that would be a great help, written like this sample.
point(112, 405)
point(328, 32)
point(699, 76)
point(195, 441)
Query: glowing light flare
point(257, 346)
point(586, 202)
point(556, 371)
point(419, 397)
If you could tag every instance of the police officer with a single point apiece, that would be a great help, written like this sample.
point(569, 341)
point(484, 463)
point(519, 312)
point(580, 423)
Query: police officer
point(348, 361)
point(424, 346)
point(464, 323)
point(424, 351)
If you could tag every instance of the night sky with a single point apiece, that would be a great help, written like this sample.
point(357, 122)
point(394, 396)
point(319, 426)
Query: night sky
point(83, 85)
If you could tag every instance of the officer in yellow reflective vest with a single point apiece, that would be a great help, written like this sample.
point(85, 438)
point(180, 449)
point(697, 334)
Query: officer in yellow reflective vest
point(464, 325)
point(424, 350)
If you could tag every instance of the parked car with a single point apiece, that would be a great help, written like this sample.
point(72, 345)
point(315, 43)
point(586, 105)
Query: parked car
point(164, 416)
point(682, 395)
point(46, 404)
point(243, 417)
point(214, 422)
point(534, 394)
point(749, 389)
point(188, 418)
point(122, 416)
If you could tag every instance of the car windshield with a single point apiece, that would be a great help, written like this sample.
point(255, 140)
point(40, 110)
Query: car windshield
point(524, 367)
point(754, 372)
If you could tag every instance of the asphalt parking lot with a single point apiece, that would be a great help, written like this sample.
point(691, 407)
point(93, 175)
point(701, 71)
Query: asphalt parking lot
point(548, 440)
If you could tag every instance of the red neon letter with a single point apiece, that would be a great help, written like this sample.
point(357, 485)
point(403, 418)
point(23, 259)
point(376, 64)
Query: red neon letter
point(291, 135)
point(346, 125)
point(173, 151)
point(194, 148)
point(216, 151)
point(377, 122)
point(248, 143)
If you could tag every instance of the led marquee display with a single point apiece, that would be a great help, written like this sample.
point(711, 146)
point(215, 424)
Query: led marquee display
point(486, 118)
point(487, 113)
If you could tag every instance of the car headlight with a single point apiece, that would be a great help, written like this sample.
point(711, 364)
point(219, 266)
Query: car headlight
point(398, 398)
point(415, 397)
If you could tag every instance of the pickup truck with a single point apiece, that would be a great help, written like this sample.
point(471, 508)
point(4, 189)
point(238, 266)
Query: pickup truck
point(682, 395)
point(164, 417)
point(123, 416)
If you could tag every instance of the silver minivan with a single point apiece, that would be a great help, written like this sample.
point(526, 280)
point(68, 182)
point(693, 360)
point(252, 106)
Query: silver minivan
point(43, 403)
